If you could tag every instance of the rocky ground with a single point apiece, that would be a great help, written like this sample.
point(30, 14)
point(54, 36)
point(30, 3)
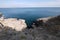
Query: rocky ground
point(49, 30)
point(7, 33)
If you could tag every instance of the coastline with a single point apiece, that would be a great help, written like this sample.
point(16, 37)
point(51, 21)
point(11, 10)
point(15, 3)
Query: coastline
point(18, 25)
point(17, 29)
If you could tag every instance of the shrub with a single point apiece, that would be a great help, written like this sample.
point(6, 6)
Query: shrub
point(53, 25)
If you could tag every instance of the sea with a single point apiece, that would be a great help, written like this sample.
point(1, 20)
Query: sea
point(30, 14)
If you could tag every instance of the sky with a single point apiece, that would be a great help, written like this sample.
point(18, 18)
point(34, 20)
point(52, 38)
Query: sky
point(29, 3)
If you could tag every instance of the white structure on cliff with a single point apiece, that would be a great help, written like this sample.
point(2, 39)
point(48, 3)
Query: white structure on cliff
point(18, 25)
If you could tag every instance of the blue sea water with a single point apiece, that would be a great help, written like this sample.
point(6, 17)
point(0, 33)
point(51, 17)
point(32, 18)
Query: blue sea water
point(30, 14)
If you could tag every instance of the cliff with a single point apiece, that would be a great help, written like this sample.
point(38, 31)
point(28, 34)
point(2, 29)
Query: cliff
point(37, 33)
point(52, 24)
point(43, 29)
point(18, 25)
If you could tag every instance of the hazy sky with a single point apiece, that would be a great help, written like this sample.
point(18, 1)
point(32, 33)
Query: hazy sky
point(29, 3)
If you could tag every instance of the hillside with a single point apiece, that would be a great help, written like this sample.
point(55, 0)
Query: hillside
point(49, 30)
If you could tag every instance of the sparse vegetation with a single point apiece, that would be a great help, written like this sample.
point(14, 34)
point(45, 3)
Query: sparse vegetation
point(23, 37)
point(37, 33)
point(53, 24)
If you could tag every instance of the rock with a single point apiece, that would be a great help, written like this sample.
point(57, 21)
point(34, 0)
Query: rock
point(40, 21)
point(44, 19)
point(52, 24)
point(18, 25)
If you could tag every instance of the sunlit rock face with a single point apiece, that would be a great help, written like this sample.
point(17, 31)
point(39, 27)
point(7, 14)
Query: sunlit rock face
point(44, 19)
point(18, 25)
point(40, 21)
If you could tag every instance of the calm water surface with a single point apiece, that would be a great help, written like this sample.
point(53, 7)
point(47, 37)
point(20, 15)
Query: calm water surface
point(30, 14)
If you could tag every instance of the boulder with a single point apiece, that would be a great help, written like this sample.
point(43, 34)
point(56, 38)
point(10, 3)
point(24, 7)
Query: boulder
point(44, 19)
point(18, 25)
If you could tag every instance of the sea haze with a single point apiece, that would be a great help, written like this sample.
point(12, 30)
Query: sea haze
point(30, 14)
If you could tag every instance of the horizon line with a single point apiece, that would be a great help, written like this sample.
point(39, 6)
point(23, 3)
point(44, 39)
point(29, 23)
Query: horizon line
point(29, 7)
